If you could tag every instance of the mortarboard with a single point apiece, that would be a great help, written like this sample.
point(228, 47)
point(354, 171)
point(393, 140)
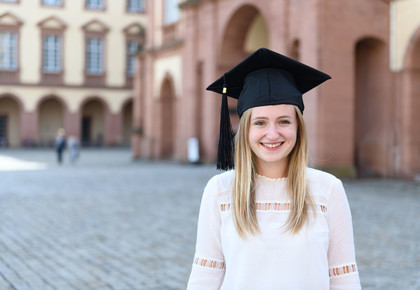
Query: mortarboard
point(264, 78)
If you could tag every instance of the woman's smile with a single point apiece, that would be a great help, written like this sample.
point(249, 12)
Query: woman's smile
point(272, 146)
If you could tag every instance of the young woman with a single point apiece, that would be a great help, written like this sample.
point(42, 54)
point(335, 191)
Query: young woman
point(272, 223)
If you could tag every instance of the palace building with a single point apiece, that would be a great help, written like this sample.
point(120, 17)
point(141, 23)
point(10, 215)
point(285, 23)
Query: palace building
point(68, 64)
point(135, 71)
point(361, 122)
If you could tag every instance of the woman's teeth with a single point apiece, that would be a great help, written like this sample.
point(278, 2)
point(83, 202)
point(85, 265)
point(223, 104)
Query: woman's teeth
point(272, 145)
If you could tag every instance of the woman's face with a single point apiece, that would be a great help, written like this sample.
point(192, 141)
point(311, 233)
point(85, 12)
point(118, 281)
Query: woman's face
point(272, 135)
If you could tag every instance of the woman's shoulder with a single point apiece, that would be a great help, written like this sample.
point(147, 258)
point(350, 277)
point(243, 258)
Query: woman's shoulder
point(320, 181)
point(316, 174)
point(219, 187)
point(222, 181)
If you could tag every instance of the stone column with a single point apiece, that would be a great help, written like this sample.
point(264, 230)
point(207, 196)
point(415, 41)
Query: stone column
point(113, 133)
point(72, 123)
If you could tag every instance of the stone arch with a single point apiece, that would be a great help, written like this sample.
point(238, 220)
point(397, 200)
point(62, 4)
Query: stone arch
point(245, 31)
point(50, 111)
point(127, 121)
point(10, 120)
point(372, 107)
point(409, 108)
point(167, 119)
point(93, 112)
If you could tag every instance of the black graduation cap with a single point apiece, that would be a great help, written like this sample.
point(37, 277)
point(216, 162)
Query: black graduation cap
point(264, 78)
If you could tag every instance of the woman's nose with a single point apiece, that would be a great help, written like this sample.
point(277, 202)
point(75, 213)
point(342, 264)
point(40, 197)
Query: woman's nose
point(272, 133)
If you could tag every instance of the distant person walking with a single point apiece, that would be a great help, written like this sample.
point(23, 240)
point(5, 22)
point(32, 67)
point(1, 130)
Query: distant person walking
point(60, 144)
point(73, 146)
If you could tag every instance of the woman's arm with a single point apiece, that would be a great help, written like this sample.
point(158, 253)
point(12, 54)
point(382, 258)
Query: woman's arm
point(208, 266)
point(341, 254)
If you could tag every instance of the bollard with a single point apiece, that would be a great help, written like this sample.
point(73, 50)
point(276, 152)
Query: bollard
point(193, 150)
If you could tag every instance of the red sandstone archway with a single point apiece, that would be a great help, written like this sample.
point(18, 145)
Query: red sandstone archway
point(93, 112)
point(372, 108)
point(127, 123)
point(10, 111)
point(245, 32)
point(50, 119)
point(166, 119)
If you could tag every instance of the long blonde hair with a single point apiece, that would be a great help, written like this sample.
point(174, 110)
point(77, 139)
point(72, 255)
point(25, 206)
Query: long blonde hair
point(243, 192)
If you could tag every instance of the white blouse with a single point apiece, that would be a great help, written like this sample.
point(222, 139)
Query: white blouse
point(320, 256)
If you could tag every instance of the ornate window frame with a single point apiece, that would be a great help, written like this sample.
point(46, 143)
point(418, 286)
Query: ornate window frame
point(133, 33)
point(52, 26)
point(10, 23)
point(98, 30)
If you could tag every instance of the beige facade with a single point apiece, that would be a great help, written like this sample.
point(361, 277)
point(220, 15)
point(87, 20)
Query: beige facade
point(68, 65)
point(405, 64)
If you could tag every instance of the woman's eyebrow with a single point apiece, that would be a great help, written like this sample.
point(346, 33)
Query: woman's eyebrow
point(259, 118)
point(266, 118)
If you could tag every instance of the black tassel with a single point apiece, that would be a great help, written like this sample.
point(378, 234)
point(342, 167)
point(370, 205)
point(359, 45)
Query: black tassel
point(225, 149)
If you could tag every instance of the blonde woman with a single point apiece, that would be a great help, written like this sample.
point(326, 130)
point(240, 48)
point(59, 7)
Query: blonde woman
point(271, 222)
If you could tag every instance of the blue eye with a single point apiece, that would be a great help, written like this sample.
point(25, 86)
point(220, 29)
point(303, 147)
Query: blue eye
point(284, 122)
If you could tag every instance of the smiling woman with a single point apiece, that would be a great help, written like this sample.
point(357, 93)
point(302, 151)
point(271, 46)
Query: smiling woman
point(271, 222)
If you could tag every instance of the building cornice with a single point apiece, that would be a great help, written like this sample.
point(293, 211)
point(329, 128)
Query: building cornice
point(189, 3)
point(165, 46)
point(82, 87)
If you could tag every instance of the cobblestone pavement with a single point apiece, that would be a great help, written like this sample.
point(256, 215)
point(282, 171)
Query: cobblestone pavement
point(110, 223)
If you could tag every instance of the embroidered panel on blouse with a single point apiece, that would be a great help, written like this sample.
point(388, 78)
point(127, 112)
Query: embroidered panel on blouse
point(273, 206)
point(209, 263)
point(343, 270)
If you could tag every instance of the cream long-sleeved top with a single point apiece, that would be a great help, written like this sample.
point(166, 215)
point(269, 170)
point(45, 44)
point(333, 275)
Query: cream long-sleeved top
point(321, 256)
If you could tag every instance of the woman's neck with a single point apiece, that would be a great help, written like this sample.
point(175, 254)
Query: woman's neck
point(278, 170)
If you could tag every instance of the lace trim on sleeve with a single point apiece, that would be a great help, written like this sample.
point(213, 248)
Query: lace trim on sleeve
point(343, 270)
point(208, 263)
point(272, 206)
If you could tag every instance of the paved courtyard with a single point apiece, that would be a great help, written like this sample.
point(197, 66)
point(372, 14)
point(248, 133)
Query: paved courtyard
point(110, 223)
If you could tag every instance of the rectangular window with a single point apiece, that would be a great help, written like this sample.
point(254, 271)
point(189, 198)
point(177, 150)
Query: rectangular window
point(95, 4)
point(10, 1)
point(94, 56)
point(136, 5)
point(132, 48)
point(8, 51)
point(171, 13)
point(51, 53)
point(52, 2)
